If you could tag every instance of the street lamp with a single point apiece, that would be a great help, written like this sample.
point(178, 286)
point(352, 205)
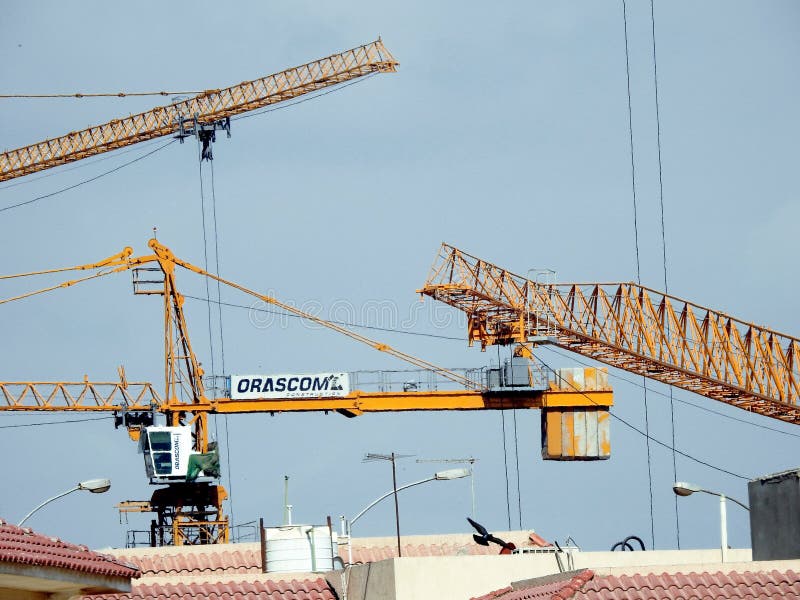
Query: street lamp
point(682, 488)
point(439, 476)
point(95, 486)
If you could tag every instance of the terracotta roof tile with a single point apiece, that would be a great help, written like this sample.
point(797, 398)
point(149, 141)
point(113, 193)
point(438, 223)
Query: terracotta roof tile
point(552, 587)
point(585, 585)
point(364, 554)
point(21, 545)
point(212, 561)
point(317, 589)
point(246, 558)
point(537, 540)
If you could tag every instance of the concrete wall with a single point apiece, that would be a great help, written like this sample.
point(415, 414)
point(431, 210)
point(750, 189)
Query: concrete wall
point(462, 577)
point(372, 581)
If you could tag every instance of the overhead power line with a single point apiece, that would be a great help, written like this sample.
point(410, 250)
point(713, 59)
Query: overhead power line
point(343, 323)
point(85, 181)
point(647, 435)
point(697, 406)
point(81, 164)
point(638, 266)
point(54, 422)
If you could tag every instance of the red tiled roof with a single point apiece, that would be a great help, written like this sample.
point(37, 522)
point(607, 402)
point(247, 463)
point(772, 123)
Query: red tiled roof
point(196, 563)
point(23, 546)
point(747, 584)
point(585, 585)
point(246, 558)
point(551, 587)
point(317, 589)
point(363, 553)
point(537, 540)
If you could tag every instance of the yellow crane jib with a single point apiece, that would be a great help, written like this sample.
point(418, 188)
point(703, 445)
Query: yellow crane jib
point(630, 327)
point(574, 404)
point(201, 115)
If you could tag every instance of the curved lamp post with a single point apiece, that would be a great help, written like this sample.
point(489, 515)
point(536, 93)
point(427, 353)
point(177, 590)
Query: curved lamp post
point(440, 476)
point(682, 488)
point(96, 486)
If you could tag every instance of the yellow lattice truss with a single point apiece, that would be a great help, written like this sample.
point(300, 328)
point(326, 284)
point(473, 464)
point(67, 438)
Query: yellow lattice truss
point(630, 327)
point(208, 107)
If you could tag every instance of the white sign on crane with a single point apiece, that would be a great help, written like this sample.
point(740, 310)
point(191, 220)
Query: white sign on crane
point(316, 385)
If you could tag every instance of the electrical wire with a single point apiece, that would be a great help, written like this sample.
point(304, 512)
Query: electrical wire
point(640, 432)
point(664, 253)
point(516, 457)
point(343, 323)
point(505, 464)
point(85, 181)
point(306, 99)
point(205, 262)
point(55, 422)
point(81, 164)
point(505, 450)
point(638, 268)
point(697, 406)
point(221, 339)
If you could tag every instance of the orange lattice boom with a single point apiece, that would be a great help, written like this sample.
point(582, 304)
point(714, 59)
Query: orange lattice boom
point(77, 396)
point(208, 107)
point(627, 326)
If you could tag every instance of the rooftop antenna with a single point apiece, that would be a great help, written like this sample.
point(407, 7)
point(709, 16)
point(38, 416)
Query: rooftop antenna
point(393, 458)
point(463, 461)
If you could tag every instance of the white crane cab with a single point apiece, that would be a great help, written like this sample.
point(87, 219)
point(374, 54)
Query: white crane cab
point(168, 455)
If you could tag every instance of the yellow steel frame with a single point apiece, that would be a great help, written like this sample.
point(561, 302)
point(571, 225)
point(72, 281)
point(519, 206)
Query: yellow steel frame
point(360, 402)
point(185, 399)
point(184, 392)
point(208, 107)
point(83, 396)
point(630, 327)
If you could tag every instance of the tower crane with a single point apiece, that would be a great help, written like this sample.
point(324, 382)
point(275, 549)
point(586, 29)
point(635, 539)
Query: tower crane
point(627, 326)
point(180, 454)
point(201, 115)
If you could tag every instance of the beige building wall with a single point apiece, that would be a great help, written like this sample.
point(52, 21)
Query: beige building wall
point(462, 577)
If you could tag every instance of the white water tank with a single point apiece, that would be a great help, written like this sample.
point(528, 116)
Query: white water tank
point(301, 548)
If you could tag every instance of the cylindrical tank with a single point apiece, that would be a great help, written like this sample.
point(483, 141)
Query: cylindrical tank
point(301, 548)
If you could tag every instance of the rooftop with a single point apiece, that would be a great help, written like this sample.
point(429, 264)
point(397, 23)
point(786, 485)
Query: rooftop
point(23, 546)
point(454, 566)
point(38, 563)
point(588, 585)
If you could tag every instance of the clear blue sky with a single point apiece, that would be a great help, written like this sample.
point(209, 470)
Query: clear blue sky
point(505, 132)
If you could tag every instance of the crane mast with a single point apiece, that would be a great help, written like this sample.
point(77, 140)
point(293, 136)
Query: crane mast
point(627, 326)
point(203, 113)
point(190, 511)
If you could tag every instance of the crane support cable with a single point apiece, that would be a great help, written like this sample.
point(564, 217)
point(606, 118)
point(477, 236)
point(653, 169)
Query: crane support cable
point(65, 284)
point(206, 108)
point(111, 260)
point(104, 94)
point(165, 254)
